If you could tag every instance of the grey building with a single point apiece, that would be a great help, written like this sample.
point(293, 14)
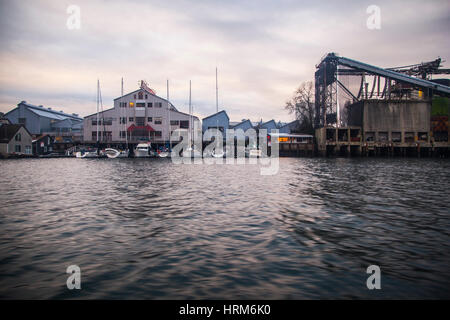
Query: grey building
point(269, 125)
point(244, 125)
point(291, 127)
point(218, 120)
point(39, 120)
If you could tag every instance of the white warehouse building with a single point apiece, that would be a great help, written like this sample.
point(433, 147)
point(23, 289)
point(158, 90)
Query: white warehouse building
point(137, 116)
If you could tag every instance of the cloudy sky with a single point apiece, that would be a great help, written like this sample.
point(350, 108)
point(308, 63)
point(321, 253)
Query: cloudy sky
point(263, 49)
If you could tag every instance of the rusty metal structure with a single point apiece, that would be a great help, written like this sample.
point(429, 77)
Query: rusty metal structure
point(341, 81)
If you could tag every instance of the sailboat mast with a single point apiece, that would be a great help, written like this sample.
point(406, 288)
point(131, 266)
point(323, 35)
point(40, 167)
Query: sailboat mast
point(217, 102)
point(168, 111)
point(125, 112)
point(98, 88)
point(190, 111)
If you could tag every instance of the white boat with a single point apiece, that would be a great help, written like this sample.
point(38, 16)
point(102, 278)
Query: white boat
point(142, 150)
point(253, 152)
point(191, 153)
point(113, 153)
point(218, 154)
point(163, 154)
point(86, 154)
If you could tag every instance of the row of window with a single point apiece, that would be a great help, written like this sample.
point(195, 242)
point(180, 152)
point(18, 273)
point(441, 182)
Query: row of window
point(140, 104)
point(122, 134)
point(140, 121)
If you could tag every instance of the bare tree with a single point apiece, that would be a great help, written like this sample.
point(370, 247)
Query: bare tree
point(302, 105)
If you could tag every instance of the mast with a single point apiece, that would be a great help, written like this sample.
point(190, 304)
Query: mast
point(98, 88)
point(168, 111)
point(217, 94)
point(217, 102)
point(190, 112)
point(123, 122)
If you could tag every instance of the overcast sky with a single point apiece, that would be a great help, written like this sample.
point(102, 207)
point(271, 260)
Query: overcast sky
point(263, 49)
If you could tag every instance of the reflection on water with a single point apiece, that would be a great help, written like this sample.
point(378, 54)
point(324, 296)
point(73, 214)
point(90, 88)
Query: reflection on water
point(150, 229)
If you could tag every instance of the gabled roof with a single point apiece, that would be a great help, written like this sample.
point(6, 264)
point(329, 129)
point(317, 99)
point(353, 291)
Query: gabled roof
point(289, 124)
point(214, 114)
point(264, 123)
point(8, 131)
point(41, 137)
point(242, 122)
point(151, 93)
point(46, 112)
point(100, 112)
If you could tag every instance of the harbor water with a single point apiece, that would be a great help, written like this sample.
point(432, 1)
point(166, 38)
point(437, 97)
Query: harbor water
point(151, 229)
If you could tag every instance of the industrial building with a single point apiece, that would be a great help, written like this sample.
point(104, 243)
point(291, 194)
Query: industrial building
point(363, 109)
point(140, 115)
point(39, 120)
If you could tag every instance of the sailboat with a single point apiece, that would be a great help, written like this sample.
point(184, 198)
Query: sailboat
point(92, 152)
point(114, 153)
point(165, 152)
point(217, 153)
point(191, 151)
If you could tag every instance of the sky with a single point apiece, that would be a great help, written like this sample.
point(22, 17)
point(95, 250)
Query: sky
point(263, 49)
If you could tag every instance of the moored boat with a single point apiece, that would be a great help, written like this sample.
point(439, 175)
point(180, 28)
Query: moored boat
point(143, 150)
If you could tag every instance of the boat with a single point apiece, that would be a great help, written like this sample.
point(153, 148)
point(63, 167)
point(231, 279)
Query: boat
point(86, 154)
point(252, 152)
point(218, 154)
point(143, 150)
point(191, 153)
point(163, 152)
point(113, 153)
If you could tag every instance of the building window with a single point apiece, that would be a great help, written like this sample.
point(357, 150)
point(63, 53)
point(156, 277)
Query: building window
point(140, 105)
point(135, 96)
point(94, 135)
point(18, 137)
point(140, 96)
point(158, 120)
point(146, 97)
point(157, 133)
point(123, 134)
point(158, 104)
point(23, 121)
point(131, 104)
point(123, 104)
point(149, 105)
point(130, 119)
point(140, 121)
point(149, 119)
point(17, 148)
point(174, 122)
point(123, 120)
point(184, 124)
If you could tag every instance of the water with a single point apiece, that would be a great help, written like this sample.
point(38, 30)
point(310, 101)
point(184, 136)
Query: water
point(154, 230)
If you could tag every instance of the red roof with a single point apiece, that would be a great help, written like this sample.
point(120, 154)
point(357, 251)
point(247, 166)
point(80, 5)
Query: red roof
point(134, 127)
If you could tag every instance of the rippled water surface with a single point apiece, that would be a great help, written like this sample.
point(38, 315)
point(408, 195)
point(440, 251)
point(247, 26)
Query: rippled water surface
point(151, 229)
